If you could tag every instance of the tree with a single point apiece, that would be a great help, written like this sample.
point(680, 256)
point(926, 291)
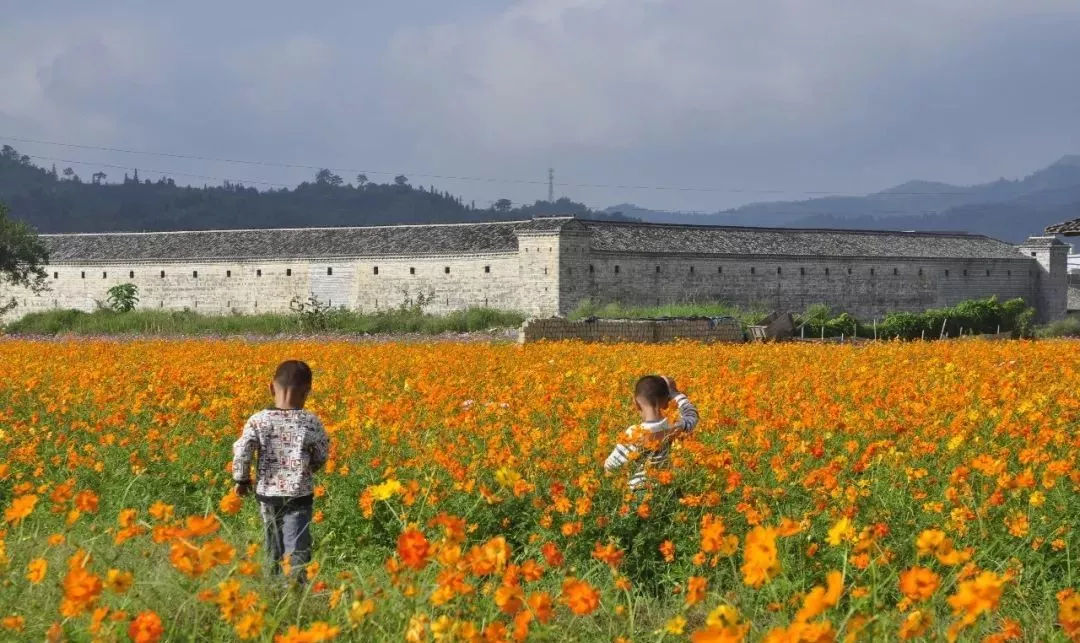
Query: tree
point(69, 174)
point(326, 177)
point(361, 180)
point(122, 298)
point(503, 205)
point(22, 255)
point(97, 178)
point(401, 180)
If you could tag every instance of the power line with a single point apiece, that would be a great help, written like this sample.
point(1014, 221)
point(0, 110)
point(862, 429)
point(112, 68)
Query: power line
point(451, 177)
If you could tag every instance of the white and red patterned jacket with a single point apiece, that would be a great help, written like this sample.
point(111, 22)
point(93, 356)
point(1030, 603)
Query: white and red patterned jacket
point(291, 443)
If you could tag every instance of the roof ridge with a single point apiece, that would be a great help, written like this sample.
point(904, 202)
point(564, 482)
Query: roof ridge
point(230, 230)
point(706, 226)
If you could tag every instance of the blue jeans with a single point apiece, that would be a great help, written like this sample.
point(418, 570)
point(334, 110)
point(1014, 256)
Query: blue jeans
point(287, 525)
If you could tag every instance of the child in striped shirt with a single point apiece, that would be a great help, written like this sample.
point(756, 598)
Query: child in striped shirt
point(649, 444)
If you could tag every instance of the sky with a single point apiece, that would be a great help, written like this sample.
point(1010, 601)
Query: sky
point(691, 105)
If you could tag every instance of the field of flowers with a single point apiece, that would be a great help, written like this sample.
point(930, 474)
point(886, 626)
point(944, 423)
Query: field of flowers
point(890, 491)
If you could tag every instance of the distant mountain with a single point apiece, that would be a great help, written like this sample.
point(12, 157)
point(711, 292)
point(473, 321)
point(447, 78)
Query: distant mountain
point(1009, 210)
point(55, 201)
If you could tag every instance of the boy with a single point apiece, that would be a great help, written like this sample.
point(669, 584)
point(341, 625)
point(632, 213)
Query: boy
point(651, 440)
point(292, 444)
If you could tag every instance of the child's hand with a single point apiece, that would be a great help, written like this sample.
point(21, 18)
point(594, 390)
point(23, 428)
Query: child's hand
point(243, 488)
point(672, 389)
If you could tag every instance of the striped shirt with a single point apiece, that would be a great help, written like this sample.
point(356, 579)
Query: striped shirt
point(291, 443)
point(650, 442)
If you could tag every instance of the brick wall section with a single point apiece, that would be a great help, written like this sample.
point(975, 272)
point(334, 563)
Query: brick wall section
point(631, 330)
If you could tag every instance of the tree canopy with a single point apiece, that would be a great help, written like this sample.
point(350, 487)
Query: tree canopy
point(22, 255)
point(54, 201)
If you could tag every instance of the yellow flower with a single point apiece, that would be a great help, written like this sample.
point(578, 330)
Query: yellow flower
point(36, 569)
point(118, 581)
point(841, 532)
point(386, 490)
point(675, 625)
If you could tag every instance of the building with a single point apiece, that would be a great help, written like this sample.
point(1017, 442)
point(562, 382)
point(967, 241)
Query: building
point(547, 266)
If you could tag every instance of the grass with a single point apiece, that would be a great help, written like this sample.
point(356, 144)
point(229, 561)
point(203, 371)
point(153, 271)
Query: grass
point(694, 309)
point(1068, 327)
point(157, 322)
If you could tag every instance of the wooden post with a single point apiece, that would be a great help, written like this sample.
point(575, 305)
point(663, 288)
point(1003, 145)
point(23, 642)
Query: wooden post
point(802, 331)
point(943, 322)
point(922, 336)
point(875, 329)
point(823, 331)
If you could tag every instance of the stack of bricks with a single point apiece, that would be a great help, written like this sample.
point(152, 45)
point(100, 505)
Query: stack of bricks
point(645, 331)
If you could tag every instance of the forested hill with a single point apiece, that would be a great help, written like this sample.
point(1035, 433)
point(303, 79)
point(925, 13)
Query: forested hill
point(61, 201)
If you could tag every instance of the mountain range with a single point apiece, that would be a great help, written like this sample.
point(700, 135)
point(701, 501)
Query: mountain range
point(1011, 210)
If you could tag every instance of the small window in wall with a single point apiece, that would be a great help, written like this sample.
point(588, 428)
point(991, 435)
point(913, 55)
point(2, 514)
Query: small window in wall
point(162, 274)
point(719, 270)
point(826, 272)
point(412, 271)
point(258, 273)
point(104, 275)
point(375, 270)
point(691, 270)
point(131, 274)
point(487, 269)
point(802, 271)
point(871, 272)
point(288, 272)
point(55, 275)
point(446, 270)
point(988, 273)
point(896, 271)
point(946, 272)
point(592, 269)
point(779, 270)
point(1033, 254)
point(616, 270)
point(194, 274)
point(920, 272)
point(753, 270)
point(329, 271)
point(1009, 273)
point(228, 273)
point(849, 271)
point(965, 272)
point(658, 270)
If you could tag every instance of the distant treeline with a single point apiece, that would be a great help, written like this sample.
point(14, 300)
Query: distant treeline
point(61, 201)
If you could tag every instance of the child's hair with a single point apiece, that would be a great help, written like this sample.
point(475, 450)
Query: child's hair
point(653, 389)
point(293, 374)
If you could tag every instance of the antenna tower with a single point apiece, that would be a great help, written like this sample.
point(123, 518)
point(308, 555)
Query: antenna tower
point(551, 185)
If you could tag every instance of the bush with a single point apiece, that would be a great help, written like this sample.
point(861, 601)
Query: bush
point(1068, 327)
point(973, 316)
point(122, 298)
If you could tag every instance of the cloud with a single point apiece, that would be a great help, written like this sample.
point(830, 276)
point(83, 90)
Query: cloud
point(621, 74)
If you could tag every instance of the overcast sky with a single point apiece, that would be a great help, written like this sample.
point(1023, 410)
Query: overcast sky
point(744, 97)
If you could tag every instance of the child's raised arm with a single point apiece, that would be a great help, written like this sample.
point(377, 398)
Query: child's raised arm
point(244, 450)
point(688, 414)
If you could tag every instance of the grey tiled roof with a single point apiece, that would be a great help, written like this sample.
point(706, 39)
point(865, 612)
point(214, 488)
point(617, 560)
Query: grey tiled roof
point(664, 238)
point(285, 243)
point(471, 238)
point(1067, 228)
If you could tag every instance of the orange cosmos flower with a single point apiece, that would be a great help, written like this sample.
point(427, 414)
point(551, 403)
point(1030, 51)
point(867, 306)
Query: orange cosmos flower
point(915, 625)
point(231, 503)
point(36, 569)
point(609, 554)
point(1069, 612)
point(695, 589)
point(118, 581)
point(161, 512)
point(13, 623)
point(919, 583)
point(552, 555)
point(667, 550)
point(20, 508)
point(413, 548)
point(146, 628)
point(86, 501)
point(81, 591)
point(541, 605)
point(760, 563)
point(315, 633)
point(581, 597)
point(821, 598)
point(509, 599)
point(973, 597)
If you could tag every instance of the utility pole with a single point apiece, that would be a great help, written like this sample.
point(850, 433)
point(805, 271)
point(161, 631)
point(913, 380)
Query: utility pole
point(551, 185)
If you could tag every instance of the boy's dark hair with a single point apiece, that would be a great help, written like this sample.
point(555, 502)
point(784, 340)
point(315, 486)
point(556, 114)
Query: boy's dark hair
point(653, 388)
point(293, 374)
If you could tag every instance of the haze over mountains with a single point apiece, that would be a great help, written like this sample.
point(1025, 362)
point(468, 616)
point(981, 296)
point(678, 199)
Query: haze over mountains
point(60, 201)
point(1010, 210)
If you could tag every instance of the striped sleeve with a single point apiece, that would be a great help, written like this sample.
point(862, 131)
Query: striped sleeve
point(621, 454)
point(688, 415)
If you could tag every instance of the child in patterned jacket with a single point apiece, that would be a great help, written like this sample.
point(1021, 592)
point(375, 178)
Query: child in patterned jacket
point(649, 443)
point(291, 444)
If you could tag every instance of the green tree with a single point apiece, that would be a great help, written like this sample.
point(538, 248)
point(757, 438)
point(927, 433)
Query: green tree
point(22, 255)
point(122, 298)
point(503, 205)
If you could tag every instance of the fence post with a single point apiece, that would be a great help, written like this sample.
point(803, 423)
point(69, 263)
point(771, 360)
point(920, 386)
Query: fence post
point(943, 322)
point(875, 329)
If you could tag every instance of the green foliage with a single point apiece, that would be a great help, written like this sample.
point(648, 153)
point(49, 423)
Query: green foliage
point(122, 298)
point(55, 204)
point(587, 309)
point(22, 254)
point(1068, 327)
point(337, 321)
point(977, 316)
